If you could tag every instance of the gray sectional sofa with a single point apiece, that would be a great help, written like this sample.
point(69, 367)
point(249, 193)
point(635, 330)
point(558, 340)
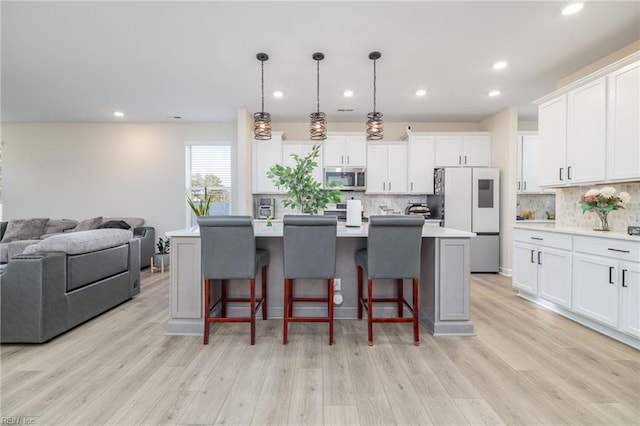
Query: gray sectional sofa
point(65, 280)
point(30, 231)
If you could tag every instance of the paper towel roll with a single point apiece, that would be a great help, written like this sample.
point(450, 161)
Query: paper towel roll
point(354, 213)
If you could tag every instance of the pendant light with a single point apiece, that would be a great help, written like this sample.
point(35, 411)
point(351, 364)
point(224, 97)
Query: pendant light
point(318, 120)
point(374, 119)
point(262, 120)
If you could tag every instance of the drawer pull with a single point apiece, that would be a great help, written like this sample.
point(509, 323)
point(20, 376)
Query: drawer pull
point(611, 275)
point(537, 238)
point(624, 284)
point(618, 250)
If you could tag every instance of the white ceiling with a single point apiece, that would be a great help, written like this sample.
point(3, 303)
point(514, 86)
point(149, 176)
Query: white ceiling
point(80, 61)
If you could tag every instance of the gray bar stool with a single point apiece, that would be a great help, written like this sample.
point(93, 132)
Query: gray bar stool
point(393, 251)
point(228, 248)
point(310, 253)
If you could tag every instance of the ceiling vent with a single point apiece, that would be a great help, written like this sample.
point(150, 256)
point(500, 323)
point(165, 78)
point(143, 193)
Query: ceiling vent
point(345, 109)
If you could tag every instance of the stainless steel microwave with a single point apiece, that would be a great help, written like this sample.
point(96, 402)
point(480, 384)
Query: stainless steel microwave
point(351, 178)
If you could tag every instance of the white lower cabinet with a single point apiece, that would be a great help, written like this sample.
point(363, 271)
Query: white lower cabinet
point(543, 270)
point(630, 298)
point(592, 280)
point(595, 291)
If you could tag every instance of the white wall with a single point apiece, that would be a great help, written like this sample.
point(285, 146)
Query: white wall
point(84, 170)
point(504, 143)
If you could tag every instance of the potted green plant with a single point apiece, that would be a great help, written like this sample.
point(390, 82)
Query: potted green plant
point(304, 193)
point(162, 258)
point(200, 207)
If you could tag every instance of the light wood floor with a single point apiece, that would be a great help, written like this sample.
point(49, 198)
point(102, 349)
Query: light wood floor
point(525, 366)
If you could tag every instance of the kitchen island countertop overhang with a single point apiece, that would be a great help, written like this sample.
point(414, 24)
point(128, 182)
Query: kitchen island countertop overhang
point(444, 279)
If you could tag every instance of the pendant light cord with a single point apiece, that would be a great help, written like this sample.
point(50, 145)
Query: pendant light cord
point(318, 85)
point(262, 85)
point(374, 85)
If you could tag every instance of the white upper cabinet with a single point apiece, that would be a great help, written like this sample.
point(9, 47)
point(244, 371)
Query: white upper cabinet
point(387, 168)
point(421, 164)
point(589, 130)
point(301, 149)
point(623, 136)
point(345, 150)
point(586, 133)
point(460, 150)
point(265, 155)
point(552, 125)
point(528, 164)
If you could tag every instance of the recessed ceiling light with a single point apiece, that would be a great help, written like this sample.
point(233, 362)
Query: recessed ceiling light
point(421, 92)
point(572, 8)
point(278, 94)
point(500, 65)
point(494, 93)
point(118, 113)
point(347, 93)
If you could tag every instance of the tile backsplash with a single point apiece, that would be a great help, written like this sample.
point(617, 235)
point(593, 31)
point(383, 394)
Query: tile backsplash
point(569, 213)
point(539, 203)
point(371, 203)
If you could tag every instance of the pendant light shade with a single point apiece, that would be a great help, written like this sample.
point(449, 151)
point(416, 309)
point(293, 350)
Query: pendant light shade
point(374, 119)
point(318, 120)
point(262, 120)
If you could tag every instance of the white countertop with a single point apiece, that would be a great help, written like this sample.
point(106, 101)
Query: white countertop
point(551, 227)
point(430, 230)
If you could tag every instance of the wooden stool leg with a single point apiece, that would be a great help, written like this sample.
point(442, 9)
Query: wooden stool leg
point(290, 298)
point(416, 313)
point(206, 312)
point(223, 298)
point(264, 292)
point(252, 301)
point(400, 298)
point(331, 311)
point(370, 310)
point(285, 312)
point(359, 292)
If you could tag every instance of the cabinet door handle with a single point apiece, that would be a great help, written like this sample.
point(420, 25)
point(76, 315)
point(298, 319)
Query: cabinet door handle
point(465, 159)
point(532, 252)
point(569, 173)
point(342, 159)
point(525, 186)
point(389, 186)
point(539, 259)
point(624, 283)
point(561, 168)
point(518, 186)
point(412, 186)
point(459, 159)
point(384, 186)
point(611, 275)
point(618, 250)
point(537, 238)
point(348, 162)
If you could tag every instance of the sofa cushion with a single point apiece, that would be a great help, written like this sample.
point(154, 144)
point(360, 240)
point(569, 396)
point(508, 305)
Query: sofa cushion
point(24, 229)
point(83, 242)
point(115, 224)
point(87, 268)
point(88, 224)
point(134, 222)
point(56, 226)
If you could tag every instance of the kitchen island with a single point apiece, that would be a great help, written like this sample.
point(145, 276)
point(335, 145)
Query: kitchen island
point(444, 279)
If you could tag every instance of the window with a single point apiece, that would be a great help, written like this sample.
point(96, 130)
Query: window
point(209, 166)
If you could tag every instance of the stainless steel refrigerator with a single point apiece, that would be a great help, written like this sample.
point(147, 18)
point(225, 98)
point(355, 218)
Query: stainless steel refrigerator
point(469, 199)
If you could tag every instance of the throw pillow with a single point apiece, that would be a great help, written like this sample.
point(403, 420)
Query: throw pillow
point(88, 224)
point(118, 224)
point(24, 229)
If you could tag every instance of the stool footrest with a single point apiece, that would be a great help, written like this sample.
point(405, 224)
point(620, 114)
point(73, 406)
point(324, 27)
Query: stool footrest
point(310, 299)
point(227, 319)
point(307, 319)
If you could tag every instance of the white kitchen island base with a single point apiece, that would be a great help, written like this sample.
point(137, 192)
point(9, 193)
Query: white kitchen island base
point(444, 280)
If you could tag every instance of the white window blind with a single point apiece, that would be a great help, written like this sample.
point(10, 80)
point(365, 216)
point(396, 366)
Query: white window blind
point(209, 166)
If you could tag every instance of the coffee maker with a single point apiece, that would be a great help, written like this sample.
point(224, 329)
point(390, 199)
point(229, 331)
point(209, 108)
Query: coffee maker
point(265, 207)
